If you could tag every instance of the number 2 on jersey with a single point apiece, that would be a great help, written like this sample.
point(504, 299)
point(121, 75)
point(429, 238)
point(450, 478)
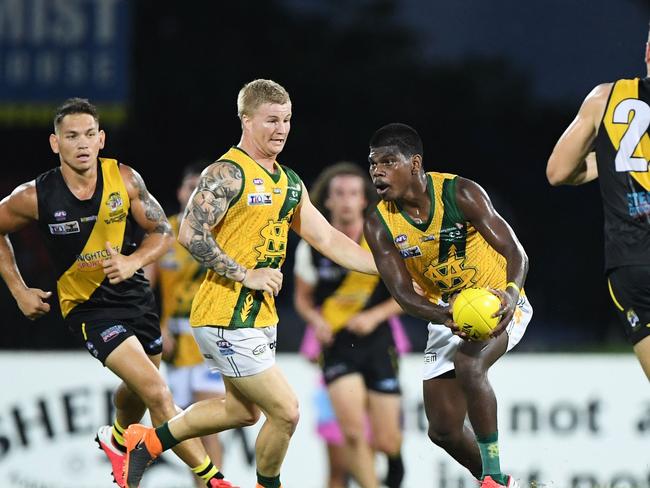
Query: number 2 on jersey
point(638, 126)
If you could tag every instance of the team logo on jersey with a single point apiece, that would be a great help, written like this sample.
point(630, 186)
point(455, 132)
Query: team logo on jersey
point(114, 201)
point(400, 239)
point(452, 274)
point(410, 252)
point(63, 228)
point(60, 215)
point(260, 199)
point(275, 236)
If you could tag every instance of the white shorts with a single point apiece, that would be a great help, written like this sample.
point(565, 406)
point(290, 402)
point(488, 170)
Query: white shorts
point(185, 381)
point(442, 343)
point(237, 352)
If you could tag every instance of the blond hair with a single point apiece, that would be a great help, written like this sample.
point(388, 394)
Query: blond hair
point(257, 92)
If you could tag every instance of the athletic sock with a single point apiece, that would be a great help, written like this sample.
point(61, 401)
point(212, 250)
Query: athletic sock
point(395, 473)
point(167, 440)
point(269, 481)
point(118, 436)
point(206, 471)
point(489, 447)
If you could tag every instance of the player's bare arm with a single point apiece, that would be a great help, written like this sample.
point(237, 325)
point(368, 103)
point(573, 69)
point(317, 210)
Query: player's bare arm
point(368, 320)
point(16, 211)
point(573, 161)
point(310, 224)
point(477, 207)
point(149, 215)
point(219, 184)
point(397, 278)
point(303, 299)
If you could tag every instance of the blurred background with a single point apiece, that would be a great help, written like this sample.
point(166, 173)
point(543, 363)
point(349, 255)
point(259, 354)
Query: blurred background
point(489, 85)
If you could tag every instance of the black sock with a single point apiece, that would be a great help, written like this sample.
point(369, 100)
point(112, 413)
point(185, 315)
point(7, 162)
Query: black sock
point(165, 437)
point(395, 473)
point(269, 481)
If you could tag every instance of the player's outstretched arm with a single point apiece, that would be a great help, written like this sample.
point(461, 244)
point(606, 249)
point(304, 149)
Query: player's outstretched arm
point(573, 161)
point(397, 278)
point(149, 215)
point(219, 184)
point(16, 211)
point(310, 224)
point(477, 207)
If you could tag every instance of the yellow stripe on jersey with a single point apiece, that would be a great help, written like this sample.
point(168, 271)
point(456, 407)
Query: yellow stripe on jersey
point(254, 233)
point(349, 298)
point(78, 283)
point(446, 253)
point(618, 121)
point(180, 277)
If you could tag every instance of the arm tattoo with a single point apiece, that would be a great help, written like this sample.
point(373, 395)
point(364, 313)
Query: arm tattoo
point(152, 210)
point(206, 208)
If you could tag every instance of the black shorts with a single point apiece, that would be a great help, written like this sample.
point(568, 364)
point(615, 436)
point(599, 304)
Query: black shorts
point(101, 336)
point(373, 356)
point(629, 287)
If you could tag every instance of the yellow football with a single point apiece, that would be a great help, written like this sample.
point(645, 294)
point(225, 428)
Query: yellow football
point(472, 311)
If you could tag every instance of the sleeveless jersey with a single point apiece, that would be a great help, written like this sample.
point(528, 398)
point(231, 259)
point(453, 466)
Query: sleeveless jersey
point(622, 152)
point(446, 253)
point(180, 276)
point(341, 293)
point(75, 233)
point(254, 233)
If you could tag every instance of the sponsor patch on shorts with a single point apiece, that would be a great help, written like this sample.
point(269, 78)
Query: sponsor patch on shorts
point(112, 332)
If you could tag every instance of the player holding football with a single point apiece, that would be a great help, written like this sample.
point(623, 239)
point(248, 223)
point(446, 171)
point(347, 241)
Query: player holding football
point(610, 140)
point(442, 231)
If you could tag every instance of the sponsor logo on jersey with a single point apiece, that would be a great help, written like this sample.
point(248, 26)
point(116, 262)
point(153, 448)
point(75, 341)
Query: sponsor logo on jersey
point(638, 204)
point(112, 332)
point(90, 218)
point(427, 238)
point(400, 238)
point(410, 252)
point(223, 344)
point(258, 181)
point(208, 356)
point(277, 191)
point(60, 215)
point(260, 199)
point(387, 384)
point(261, 349)
point(92, 349)
point(430, 358)
point(63, 228)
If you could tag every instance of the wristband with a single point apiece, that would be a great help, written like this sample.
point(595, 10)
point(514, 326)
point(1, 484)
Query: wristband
point(514, 285)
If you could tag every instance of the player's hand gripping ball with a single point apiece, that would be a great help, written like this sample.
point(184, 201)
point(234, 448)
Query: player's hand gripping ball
point(472, 312)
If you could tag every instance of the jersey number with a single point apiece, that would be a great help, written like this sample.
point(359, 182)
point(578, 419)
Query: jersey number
point(625, 159)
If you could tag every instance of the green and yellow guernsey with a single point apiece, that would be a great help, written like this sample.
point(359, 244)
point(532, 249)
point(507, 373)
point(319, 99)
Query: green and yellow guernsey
point(254, 233)
point(76, 232)
point(445, 253)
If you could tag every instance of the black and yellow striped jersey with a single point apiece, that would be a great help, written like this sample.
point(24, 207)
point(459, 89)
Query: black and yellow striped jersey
point(76, 232)
point(445, 253)
point(622, 154)
point(254, 233)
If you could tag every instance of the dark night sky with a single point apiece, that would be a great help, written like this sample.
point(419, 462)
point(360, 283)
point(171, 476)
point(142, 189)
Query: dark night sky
point(489, 85)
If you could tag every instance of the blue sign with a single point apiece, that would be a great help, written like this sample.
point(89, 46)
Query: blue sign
point(54, 49)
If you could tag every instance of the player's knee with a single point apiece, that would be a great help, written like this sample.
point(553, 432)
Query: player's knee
point(287, 416)
point(249, 418)
point(388, 444)
point(353, 434)
point(159, 401)
point(443, 436)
